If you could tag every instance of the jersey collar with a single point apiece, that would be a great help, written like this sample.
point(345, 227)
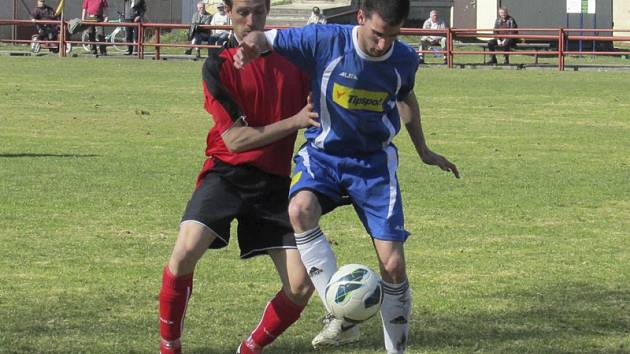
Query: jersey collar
point(363, 55)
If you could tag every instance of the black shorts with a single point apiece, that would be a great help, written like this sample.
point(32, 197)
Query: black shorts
point(257, 200)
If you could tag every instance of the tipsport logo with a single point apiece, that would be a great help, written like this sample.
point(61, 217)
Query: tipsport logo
point(353, 98)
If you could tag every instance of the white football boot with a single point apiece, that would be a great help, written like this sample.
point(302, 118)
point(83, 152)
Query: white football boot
point(335, 333)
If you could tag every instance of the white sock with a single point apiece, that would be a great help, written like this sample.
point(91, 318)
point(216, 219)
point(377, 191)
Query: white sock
point(318, 258)
point(395, 313)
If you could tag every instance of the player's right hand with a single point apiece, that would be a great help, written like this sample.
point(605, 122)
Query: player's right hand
point(431, 158)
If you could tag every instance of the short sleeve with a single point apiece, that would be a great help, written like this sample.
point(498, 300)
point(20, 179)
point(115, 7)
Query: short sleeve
point(408, 80)
point(217, 98)
point(300, 45)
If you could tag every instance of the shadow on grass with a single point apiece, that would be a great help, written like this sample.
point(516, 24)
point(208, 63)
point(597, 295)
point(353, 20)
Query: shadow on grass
point(211, 350)
point(558, 319)
point(27, 154)
point(566, 318)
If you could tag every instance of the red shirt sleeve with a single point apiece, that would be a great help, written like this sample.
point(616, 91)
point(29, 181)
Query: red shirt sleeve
point(222, 119)
point(218, 97)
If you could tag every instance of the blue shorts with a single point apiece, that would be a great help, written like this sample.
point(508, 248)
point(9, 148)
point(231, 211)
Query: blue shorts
point(370, 181)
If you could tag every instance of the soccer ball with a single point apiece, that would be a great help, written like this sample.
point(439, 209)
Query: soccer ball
point(354, 293)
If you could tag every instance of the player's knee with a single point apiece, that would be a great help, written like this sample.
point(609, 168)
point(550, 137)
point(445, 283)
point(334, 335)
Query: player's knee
point(304, 212)
point(191, 244)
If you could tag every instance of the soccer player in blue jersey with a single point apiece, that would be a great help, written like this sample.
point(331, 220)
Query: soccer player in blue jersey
point(362, 82)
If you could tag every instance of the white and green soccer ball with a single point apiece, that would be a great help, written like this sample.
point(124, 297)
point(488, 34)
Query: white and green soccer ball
point(354, 293)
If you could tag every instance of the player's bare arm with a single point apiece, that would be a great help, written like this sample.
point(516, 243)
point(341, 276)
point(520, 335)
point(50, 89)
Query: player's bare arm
point(252, 46)
point(241, 137)
point(410, 114)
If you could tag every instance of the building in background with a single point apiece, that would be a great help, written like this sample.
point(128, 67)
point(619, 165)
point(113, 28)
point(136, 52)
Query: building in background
point(457, 13)
point(420, 9)
point(621, 15)
point(540, 14)
point(543, 14)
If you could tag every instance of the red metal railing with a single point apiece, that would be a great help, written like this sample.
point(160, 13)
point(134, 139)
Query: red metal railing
point(559, 36)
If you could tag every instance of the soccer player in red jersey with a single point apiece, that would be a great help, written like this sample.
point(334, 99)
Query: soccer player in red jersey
point(245, 177)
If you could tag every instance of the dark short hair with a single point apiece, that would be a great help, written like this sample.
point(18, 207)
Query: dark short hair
point(229, 3)
point(393, 12)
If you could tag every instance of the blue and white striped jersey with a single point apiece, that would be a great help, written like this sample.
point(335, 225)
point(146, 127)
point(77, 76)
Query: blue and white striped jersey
point(354, 94)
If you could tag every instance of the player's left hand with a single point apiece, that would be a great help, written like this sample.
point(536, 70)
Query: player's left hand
point(431, 158)
point(244, 55)
point(252, 46)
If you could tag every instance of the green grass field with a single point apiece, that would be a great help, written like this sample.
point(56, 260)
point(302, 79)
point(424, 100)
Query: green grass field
point(528, 253)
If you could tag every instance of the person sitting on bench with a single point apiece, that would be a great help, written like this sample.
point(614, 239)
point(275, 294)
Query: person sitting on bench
point(433, 22)
point(198, 35)
point(503, 21)
point(45, 12)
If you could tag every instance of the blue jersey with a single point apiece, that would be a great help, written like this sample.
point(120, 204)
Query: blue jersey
point(354, 94)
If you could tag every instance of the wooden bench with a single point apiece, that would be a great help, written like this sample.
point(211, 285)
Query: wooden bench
point(534, 46)
point(483, 45)
point(432, 48)
point(520, 45)
point(537, 47)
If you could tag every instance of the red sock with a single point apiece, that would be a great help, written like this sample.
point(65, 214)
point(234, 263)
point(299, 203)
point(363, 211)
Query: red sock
point(174, 297)
point(279, 314)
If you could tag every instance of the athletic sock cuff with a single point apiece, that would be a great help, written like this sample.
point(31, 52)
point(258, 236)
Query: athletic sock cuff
point(169, 280)
point(395, 289)
point(286, 304)
point(308, 236)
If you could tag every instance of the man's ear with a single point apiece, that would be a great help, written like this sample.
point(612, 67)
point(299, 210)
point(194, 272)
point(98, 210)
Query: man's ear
point(360, 17)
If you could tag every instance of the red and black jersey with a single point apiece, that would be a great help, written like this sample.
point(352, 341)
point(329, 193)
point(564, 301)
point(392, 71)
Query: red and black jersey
point(268, 89)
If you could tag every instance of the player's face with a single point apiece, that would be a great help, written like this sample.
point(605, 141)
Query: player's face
point(248, 16)
point(503, 14)
point(200, 8)
point(375, 35)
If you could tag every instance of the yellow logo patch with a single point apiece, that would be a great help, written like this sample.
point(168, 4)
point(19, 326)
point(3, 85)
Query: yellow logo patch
point(296, 178)
point(353, 98)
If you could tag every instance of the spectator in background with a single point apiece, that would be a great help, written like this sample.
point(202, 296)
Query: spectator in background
point(219, 36)
point(433, 22)
point(316, 17)
point(503, 21)
point(197, 35)
point(44, 12)
point(95, 11)
point(134, 12)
